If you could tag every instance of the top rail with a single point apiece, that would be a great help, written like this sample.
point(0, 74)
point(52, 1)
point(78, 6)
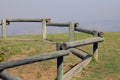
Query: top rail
point(37, 58)
point(84, 30)
point(100, 34)
point(81, 42)
point(77, 28)
point(28, 20)
point(58, 24)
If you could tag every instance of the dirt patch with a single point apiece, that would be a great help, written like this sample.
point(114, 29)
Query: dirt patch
point(35, 71)
point(26, 51)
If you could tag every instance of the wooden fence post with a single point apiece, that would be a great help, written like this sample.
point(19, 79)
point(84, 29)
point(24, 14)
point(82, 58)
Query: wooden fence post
point(4, 28)
point(95, 47)
point(59, 64)
point(44, 29)
point(71, 31)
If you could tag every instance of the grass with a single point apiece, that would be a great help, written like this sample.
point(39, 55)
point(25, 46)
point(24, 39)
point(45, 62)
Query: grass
point(107, 68)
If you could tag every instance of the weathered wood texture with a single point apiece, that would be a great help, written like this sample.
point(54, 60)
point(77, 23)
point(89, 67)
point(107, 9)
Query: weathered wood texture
point(44, 29)
point(8, 76)
point(82, 42)
point(79, 53)
point(95, 51)
point(95, 47)
point(84, 30)
point(58, 24)
point(100, 34)
point(28, 20)
point(4, 28)
point(71, 31)
point(59, 63)
point(28, 60)
point(77, 69)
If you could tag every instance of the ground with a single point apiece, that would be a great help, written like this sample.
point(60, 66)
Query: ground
point(107, 68)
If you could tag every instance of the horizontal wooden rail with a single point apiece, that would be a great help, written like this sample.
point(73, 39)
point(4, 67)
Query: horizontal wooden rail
point(100, 34)
point(79, 53)
point(37, 58)
point(58, 24)
point(84, 30)
point(28, 20)
point(8, 76)
point(77, 69)
point(74, 44)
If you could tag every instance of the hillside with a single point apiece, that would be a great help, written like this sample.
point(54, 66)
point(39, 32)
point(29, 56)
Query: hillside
point(107, 68)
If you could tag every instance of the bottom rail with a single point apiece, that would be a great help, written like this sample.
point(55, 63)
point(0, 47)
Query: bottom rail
point(8, 76)
point(78, 68)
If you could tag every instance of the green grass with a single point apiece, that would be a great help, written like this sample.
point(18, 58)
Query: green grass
point(107, 68)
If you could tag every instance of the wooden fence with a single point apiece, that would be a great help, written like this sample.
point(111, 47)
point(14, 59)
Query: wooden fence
point(46, 56)
point(5, 22)
point(45, 22)
point(63, 49)
point(85, 56)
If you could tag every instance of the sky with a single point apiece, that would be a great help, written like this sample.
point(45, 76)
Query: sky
point(88, 13)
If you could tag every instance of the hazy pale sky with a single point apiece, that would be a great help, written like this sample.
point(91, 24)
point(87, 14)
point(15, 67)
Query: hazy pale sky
point(67, 10)
point(88, 12)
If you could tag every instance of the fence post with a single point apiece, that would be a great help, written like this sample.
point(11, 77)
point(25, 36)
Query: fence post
point(71, 31)
point(4, 28)
point(59, 64)
point(95, 47)
point(44, 29)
